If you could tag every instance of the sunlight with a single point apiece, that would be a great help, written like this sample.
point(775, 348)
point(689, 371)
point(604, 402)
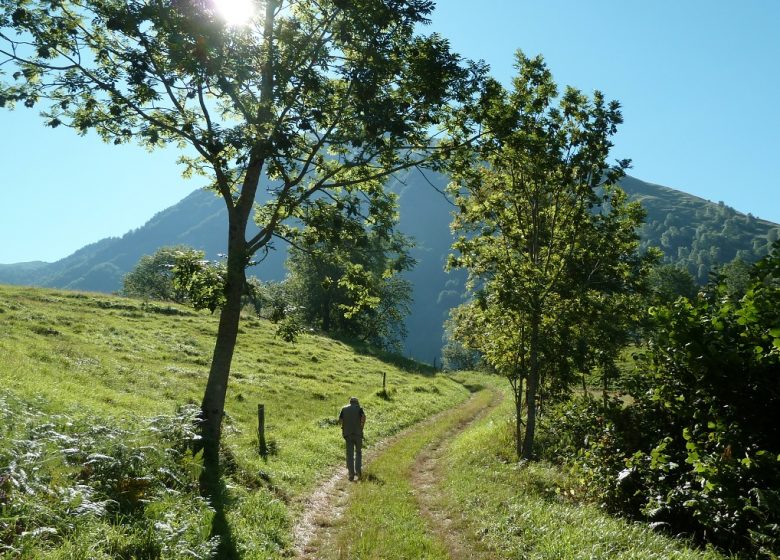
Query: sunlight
point(235, 12)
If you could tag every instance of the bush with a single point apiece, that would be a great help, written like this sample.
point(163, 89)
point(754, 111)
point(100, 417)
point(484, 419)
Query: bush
point(152, 276)
point(698, 449)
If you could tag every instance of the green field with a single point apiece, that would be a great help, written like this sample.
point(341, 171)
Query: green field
point(96, 417)
point(94, 369)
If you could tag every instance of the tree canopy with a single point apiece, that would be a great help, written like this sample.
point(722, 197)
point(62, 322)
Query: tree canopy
point(548, 241)
point(696, 448)
point(345, 273)
point(317, 101)
point(152, 277)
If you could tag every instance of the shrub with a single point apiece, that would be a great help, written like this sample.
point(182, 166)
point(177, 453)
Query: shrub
point(129, 492)
point(698, 450)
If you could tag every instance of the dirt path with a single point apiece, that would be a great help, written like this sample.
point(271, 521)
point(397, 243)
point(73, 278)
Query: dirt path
point(323, 507)
point(426, 473)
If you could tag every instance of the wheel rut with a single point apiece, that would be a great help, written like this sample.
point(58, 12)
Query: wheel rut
point(425, 476)
point(323, 508)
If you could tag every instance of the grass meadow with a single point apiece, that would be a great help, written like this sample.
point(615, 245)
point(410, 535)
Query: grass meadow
point(98, 393)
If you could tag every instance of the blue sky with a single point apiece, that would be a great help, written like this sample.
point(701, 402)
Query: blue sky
point(699, 81)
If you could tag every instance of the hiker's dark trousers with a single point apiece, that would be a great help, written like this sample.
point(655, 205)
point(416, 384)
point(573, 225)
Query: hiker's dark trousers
point(354, 454)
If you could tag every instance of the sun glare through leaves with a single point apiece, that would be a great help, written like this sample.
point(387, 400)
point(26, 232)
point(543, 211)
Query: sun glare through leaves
point(235, 12)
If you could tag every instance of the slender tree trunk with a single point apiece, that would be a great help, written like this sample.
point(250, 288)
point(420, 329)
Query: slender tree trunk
point(519, 416)
point(531, 388)
point(239, 210)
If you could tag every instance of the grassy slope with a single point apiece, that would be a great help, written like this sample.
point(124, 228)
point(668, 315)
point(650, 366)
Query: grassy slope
point(101, 359)
point(79, 361)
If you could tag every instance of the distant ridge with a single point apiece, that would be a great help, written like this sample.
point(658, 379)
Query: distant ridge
point(697, 234)
point(693, 233)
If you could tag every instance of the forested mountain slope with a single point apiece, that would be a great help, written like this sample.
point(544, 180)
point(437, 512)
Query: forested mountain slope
point(692, 232)
point(698, 234)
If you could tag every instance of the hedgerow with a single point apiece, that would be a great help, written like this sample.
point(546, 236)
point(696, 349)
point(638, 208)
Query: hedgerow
point(697, 449)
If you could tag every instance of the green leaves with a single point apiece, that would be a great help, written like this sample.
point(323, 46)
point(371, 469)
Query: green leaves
point(527, 196)
point(202, 281)
point(550, 249)
point(708, 390)
point(344, 267)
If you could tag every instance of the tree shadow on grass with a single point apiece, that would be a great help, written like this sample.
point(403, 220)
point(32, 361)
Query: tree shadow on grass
point(214, 489)
point(397, 360)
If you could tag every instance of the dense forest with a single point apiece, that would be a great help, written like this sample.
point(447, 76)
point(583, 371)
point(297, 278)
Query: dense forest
point(698, 235)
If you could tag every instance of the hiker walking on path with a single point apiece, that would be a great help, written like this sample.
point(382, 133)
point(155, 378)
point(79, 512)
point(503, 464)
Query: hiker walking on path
point(352, 419)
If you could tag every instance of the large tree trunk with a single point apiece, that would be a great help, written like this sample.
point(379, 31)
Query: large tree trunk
point(213, 404)
point(532, 388)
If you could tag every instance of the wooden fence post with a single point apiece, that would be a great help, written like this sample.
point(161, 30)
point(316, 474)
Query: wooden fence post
point(262, 448)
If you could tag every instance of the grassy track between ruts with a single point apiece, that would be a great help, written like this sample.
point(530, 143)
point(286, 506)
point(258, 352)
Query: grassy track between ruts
point(528, 511)
point(382, 520)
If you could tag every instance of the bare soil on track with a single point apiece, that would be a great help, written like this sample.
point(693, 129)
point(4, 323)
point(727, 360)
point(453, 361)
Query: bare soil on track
point(425, 479)
point(323, 508)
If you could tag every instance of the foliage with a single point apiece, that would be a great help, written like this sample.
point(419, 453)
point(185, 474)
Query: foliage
point(548, 241)
point(667, 282)
point(697, 235)
point(203, 284)
point(698, 450)
point(276, 302)
point(345, 272)
point(152, 277)
point(454, 354)
point(734, 276)
point(65, 480)
point(317, 98)
point(202, 281)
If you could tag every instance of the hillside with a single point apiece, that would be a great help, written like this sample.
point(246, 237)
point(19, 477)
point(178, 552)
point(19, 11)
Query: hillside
point(90, 387)
point(692, 232)
point(697, 234)
point(199, 220)
point(96, 417)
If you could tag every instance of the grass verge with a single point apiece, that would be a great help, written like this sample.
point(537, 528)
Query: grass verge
point(532, 511)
